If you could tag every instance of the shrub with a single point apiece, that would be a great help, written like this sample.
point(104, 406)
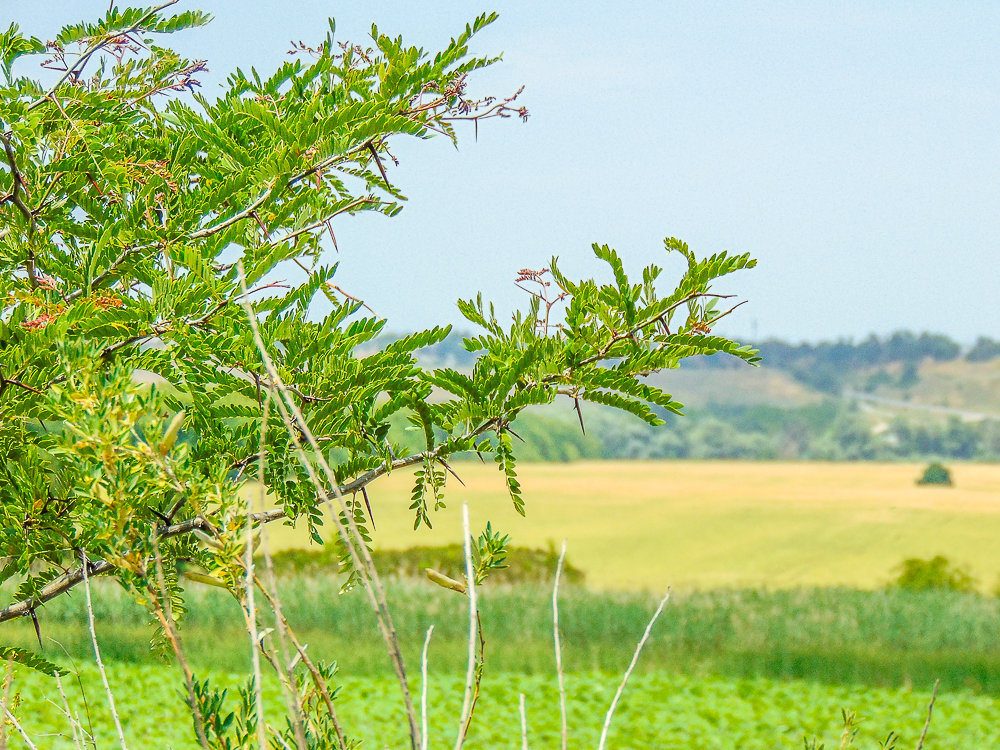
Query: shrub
point(523, 565)
point(936, 474)
point(937, 573)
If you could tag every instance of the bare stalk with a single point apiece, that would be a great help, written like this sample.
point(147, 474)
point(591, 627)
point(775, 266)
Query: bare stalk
point(282, 661)
point(20, 730)
point(930, 709)
point(8, 679)
point(470, 674)
point(349, 533)
point(74, 722)
point(97, 655)
point(300, 650)
point(628, 672)
point(170, 630)
point(564, 732)
point(354, 541)
point(424, 726)
point(251, 604)
point(88, 733)
point(524, 722)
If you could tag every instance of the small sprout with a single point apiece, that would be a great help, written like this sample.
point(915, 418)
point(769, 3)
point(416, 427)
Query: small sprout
point(444, 581)
point(205, 578)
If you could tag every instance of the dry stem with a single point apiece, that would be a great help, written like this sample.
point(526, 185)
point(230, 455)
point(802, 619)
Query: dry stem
point(5, 700)
point(930, 708)
point(558, 646)
point(251, 604)
point(524, 722)
point(628, 672)
point(350, 534)
point(97, 655)
point(10, 717)
point(170, 630)
point(424, 727)
point(74, 722)
point(304, 657)
point(470, 674)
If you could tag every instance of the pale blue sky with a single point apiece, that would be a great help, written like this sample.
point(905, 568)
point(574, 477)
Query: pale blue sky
point(853, 148)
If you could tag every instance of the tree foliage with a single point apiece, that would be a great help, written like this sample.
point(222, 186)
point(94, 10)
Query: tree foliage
point(143, 222)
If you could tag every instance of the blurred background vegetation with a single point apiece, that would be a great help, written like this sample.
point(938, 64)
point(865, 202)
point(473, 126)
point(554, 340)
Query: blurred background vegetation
point(903, 397)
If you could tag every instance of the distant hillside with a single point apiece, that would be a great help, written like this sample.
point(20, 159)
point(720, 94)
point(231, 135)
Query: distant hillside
point(903, 397)
point(748, 386)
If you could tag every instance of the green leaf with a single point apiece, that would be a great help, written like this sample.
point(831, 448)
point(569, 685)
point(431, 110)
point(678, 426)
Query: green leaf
point(32, 661)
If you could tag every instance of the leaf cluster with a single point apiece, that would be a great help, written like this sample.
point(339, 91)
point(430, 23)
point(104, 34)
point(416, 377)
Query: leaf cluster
point(142, 223)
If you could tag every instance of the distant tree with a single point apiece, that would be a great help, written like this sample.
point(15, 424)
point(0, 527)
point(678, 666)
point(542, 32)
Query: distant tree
point(938, 347)
point(909, 376)
point(984, 350)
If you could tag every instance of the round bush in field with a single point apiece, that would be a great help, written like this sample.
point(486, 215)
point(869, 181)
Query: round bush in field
point(936, 474)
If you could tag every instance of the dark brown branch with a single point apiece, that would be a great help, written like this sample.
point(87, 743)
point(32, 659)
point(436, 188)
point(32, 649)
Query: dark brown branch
point(606, 350)
point(327, 162)
point(5, 381)
point(721, 315)
point(15, 197)
point(322, 222)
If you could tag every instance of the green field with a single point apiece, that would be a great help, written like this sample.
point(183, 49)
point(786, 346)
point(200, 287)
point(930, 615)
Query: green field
point(658, 710)
point(779, 617)
point(723, 669)
point(701, 525)
point(884, 639)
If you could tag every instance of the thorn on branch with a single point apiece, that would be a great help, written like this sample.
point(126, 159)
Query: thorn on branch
point(451, 471)
point(378, 162)
point(368, 505)
point(256, 216)
point(38, 629)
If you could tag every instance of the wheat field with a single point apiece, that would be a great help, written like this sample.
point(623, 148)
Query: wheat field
point(700, 525)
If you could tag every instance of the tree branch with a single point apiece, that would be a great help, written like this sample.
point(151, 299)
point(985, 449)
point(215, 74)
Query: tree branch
point(245, 213)
point(73, 578)
point(225, 224)
point(76, 68)
point(15, 197)
point(606, 349)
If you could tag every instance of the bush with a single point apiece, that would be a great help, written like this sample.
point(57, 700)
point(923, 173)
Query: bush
point(523, 565)
point(937, 573)
point(936, 474)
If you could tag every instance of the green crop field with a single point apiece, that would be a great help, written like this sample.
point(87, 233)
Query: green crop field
point(658, 710)
point(703, 525)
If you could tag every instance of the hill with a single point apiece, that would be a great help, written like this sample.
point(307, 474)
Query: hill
point(902, 397)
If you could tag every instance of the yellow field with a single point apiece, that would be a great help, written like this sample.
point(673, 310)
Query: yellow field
point(693, 524)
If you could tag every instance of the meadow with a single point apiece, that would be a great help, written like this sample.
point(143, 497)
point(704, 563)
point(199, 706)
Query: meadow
point(703, 525)
point(779, 619)
point(889, 638)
